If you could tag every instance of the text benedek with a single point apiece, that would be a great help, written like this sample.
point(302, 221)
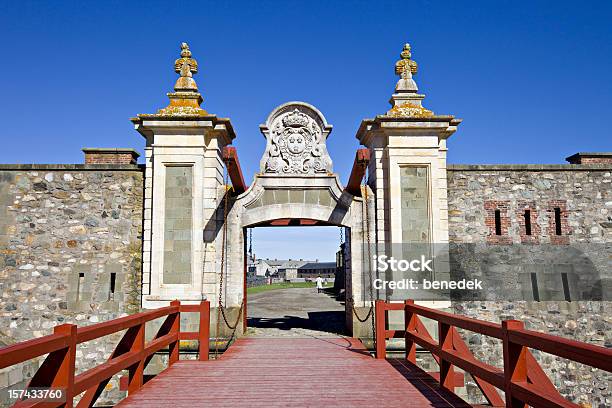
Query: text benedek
point(426, 284)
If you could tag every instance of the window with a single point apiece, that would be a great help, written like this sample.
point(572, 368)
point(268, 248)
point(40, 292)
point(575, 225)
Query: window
point(111, 293)
point(498, 230)
point(79, 294)
point(527, 216)
point(534, 287)
point(566, 291)
point(557, 221)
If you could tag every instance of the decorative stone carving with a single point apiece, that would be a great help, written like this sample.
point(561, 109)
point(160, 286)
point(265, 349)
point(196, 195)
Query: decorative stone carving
point(406, 102)
point(406, 65)
point(408, 109)
point(296, 133)
point(186, 99)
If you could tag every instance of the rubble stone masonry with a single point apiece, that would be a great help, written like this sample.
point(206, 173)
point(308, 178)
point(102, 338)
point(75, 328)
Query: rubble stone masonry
point(580, 198)
point(70, 252)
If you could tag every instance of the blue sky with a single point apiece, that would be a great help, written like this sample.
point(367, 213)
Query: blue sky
point(530, 79)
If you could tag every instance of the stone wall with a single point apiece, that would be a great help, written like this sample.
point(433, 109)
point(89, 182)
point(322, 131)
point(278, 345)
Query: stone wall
point(70, 252)
point(512, 262)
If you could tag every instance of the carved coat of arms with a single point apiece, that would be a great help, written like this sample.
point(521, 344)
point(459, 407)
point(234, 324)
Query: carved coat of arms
point(296, 145)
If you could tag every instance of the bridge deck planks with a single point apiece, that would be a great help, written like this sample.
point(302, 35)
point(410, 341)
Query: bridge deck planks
point(304, 372)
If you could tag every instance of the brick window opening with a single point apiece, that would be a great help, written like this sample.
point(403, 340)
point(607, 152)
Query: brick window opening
point(557, 221)
point(527, 216)
point(113, 279)
point(534, 287)
point(566, 291)
point(497, 222)
point(498, 229)
point(79, 291)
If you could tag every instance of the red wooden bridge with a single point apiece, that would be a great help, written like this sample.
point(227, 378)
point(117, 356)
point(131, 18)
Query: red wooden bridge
point(301, 371)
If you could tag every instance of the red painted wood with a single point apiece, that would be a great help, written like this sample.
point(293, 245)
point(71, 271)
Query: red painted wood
point(29, 349)
point(230, 156)
point(131, 353)
point(487, 389)
point(523, 380)
point(64, 377)
point(589, 354)
point(410, 323)
point(282, 222)
point(173, 348)
point(381, 338)
point(299, 372)
point(360, 165)
point(515, 364)
point(445, 342)
point(136, 372)
point(204, 333)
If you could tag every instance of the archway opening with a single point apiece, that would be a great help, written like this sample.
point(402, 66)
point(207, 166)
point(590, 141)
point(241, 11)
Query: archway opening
point(295, 278)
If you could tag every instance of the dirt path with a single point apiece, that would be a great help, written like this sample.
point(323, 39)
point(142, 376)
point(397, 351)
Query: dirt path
point(296, 312)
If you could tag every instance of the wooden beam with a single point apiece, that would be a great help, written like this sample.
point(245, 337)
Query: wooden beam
point(230, 157)
point(360, 165)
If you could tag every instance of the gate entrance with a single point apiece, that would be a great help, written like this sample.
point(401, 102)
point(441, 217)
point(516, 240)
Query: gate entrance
point(296, 186)
point(186, 256)
point(285, 266)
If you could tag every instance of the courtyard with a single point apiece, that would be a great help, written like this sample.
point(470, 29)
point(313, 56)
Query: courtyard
point(295, 312)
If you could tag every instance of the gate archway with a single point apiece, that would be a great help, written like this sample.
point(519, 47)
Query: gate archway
point(296, 186)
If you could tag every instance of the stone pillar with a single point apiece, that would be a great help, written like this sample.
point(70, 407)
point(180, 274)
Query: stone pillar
point(408, 174)
point(184, 187)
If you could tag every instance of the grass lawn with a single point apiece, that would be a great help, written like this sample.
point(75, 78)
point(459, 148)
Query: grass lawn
point(284, 285)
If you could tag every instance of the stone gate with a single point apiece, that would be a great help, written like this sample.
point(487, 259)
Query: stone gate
point(185, 211)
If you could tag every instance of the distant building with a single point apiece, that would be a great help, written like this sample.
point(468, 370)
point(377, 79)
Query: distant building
point(311, 270)
point(281, 270)
point(264, 267)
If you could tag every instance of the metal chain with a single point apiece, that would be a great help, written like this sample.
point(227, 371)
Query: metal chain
point(367, 212)
point(220, 307)
point(366, 219)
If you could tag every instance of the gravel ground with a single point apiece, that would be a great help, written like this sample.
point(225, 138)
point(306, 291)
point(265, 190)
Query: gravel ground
point(296, 312)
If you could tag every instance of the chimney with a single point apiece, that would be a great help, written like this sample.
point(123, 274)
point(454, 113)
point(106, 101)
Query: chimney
point(590, 158)
point(98, 155)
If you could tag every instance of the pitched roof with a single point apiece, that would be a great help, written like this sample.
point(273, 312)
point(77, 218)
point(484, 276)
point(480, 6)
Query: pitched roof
point(318, 265)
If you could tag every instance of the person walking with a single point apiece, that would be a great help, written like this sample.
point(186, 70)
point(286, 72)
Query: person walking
point(319, 284)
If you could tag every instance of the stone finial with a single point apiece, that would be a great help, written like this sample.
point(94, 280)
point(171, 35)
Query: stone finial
point(186, 99)
point(406, 67)
point(185, 59)
point(185, 67)
point(406, 102)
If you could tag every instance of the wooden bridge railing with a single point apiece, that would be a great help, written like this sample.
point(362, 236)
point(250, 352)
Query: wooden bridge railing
point(522, 379)
point(132, 353)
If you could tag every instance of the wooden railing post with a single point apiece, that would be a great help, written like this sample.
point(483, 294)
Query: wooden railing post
point(204, 333)
point(381, 343)
point(136, 372)
point(64, 377)
point(409, 324)
point(173, 348)
point(515, 363)
point(445, 341)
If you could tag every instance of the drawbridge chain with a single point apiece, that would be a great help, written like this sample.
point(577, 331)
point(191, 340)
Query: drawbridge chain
point(220, 307)
point(366, 228)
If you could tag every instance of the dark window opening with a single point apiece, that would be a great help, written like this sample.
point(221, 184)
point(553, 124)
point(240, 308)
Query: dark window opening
point(498, 222)
point(113, 278)
point(557, 221)
point(527, 216)
point(566, 291)
point(534, 287)
point(79, 290)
